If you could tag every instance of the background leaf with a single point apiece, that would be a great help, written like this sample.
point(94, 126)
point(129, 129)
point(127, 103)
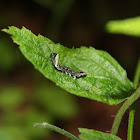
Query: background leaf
point(90, 134)
point(47, 96)
point(106, 80)
point(129, 26)
point(11, 97)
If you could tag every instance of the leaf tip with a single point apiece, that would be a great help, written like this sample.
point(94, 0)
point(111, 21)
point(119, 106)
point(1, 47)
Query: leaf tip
point(8, 30)
point(5, 30)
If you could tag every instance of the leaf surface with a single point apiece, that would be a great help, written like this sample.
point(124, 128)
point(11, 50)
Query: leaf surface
point(106, 80)
point(90, 134)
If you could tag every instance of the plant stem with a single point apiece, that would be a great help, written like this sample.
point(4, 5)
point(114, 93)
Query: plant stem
point(132, 107)
point(131, 122)
point(122, 110)
point(137, 75)
point(57, 129)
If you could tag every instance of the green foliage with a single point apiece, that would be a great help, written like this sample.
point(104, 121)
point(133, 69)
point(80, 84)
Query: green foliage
point(56, 129)
point(7, 52)
point(12, 133)
point(19, 122)
point(11, 97)
point(56, 101)
point(129, 26)
point(86, 134)
point(90, 134)
point(30, 116)
point(15, 111)
point(106, 80)
point(4, 136)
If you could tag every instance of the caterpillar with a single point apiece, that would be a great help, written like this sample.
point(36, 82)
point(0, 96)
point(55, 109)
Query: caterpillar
point(65, 69)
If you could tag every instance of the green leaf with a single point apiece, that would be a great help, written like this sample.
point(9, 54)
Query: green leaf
point(106, 80)
point(129, 26)
point(90, 134)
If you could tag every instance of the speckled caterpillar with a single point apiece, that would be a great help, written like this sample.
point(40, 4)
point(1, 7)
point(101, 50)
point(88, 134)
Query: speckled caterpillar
point(67, 70)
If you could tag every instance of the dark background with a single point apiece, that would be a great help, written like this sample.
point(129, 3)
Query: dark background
point(27, 97)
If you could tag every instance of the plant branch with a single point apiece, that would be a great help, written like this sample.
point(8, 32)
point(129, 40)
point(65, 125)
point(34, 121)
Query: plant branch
point(131, 122)
point(137, 75)
point(122, 110)
point(57, 129)
point(132, 107)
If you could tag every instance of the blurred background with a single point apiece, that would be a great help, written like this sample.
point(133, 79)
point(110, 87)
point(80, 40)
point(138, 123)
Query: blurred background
point(27, 97)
